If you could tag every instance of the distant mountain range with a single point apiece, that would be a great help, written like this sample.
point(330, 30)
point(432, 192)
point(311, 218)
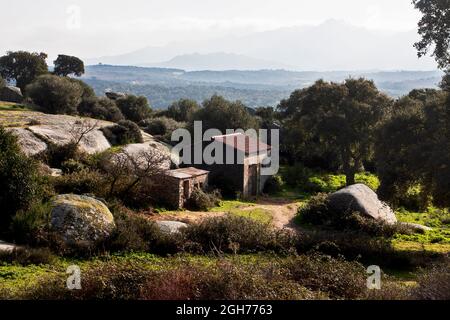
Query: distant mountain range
point(333, 45)
point(162, 86)
point(219, 61)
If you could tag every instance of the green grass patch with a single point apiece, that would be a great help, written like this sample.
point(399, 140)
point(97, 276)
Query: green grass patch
point(231, 205)
point(244, 209)
point(11, 106)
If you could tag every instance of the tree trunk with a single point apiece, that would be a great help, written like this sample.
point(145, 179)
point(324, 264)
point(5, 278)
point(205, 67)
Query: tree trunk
point(350, 176)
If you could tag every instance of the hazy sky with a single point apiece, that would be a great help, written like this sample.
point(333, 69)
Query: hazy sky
point(90, 28)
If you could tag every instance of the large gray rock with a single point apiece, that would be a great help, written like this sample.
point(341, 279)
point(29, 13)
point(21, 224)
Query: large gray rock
point(170, 227)
point(8, 247)
point(81, 220)
point(361, 198)
point(138, 152)
point(11, 94)
point(93, 142)
point(28, 142)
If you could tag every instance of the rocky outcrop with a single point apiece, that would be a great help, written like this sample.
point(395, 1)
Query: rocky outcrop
point(170, 227)
point(36, 130)
point(137, 150)
point(81, 220)
point(28, 142)
point(11, 94)
point(93, 142)
point(360, 198)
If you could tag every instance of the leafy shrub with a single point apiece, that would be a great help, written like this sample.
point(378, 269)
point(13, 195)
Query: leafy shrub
point(273, 185)
point(28, 224)
point(203, 201)
point(100, 108)
point(55, 94)
point(56, 154)
point(72, 166)
point(296, 175)
point(316, 211)
point(85, 181)
point(161, 127)
point(19, 181)
point(134, 108)
point(237, 234)
point(124, 132)
point(2, 82)
point(136, 233)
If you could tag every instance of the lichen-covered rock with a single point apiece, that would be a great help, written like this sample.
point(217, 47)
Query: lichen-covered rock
point(81, 220)
point(28, 142)
point(364, 200)
point(93, 142)
point(170, 227)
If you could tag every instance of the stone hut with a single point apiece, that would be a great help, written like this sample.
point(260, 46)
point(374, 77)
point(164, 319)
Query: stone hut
point(182, 182)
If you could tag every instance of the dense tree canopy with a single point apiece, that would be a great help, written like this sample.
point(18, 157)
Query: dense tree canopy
point(434, 27)
point(68, 65)
point(100, 108)
point(182, 110)
point(335, 121)
point(55, 94)
point(134, 108)
point(219, 113)
point(413, 148)
point(22, 67)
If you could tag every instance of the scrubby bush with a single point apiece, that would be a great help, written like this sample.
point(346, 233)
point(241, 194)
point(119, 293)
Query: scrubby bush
point(335, 276)
point(2, 82)
point(100, 108)
point(134, 108)
point(237, 234)
point(85, 181)
point(136, 233)
point(161, 126)
point(124, 132)
point(203, 201)
point(28, 224)
point(27, 256)
point(19, 181)
point(273, 185)
point(225, 280)
point(56, 94)
point(56, 154)
point(434, 283)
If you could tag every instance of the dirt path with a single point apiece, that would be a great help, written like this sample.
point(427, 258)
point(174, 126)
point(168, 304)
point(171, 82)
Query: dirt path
point(282, 211)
